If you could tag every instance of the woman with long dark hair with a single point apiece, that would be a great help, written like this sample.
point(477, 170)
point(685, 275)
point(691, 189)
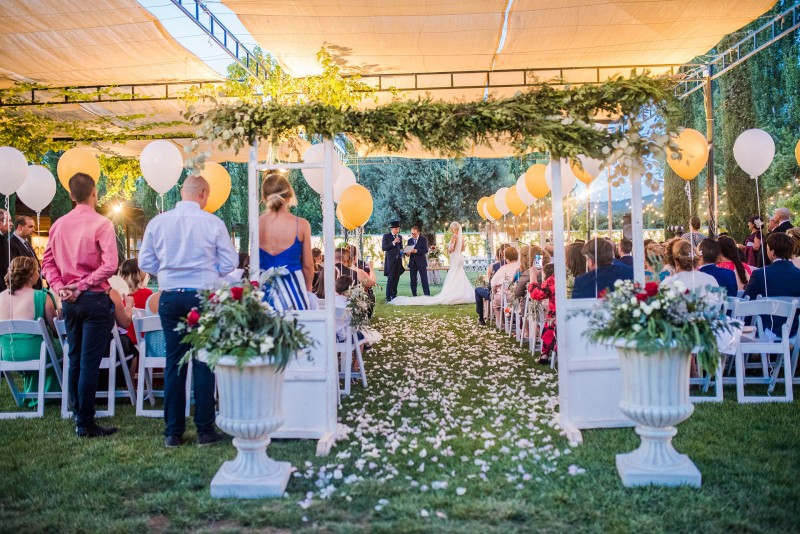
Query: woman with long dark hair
point(753, 242)
point(730, 258)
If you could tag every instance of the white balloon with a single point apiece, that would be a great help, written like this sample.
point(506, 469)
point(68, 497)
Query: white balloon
point(568, 177)
point(522, 190)
point(13, 169)
point(500, 200)
point(590, 165)
point(162, 164)
point(754, 151)
point(486, 213)
point(39, 188)
point(344, 179)
point(315, 177)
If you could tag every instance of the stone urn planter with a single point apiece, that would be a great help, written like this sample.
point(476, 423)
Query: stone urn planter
point(250, 409)
point(656, 397)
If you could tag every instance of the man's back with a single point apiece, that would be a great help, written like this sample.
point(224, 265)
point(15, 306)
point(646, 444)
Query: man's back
point(188, 248)
point(601, 278)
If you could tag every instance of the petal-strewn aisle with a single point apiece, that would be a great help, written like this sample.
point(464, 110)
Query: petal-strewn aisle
point(451, 407)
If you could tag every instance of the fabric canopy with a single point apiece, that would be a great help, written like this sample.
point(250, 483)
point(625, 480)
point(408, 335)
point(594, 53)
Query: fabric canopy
point(90, 42)
point(391, 36)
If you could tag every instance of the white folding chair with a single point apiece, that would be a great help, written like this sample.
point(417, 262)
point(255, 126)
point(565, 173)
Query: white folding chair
point(345, 349)
point(522, 318)
point(109, 363)
point(761, 344)
point(149, 362)
point(47, 360)
point(794, 341)
point(124, 361)
point(706, 380)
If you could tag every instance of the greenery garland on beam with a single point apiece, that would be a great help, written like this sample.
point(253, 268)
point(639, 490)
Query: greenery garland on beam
point(561, 121)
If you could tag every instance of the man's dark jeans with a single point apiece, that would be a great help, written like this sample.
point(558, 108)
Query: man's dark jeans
point(173, 307)
point(88, 321)
point(481, 294)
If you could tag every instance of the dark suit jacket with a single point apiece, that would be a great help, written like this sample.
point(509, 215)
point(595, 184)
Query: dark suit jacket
point(784, 227)
point(604, 277)
point(783, 280)
point(420, 259)
point(394, 254)
point(19, 249)
point(4, 261)
point(724, 277)
point(627, 260)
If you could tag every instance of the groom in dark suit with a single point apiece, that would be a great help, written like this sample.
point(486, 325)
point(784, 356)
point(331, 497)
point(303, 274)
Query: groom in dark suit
point(393, 259)
point(418, 261)
point(24, 227)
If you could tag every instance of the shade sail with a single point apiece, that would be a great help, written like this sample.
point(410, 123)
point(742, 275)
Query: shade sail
point(391, 36)
point(90, 42)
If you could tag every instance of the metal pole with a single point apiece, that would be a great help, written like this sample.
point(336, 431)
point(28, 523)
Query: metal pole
point(711, 178)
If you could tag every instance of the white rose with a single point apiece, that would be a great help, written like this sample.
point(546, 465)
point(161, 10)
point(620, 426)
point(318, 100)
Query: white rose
point(637, 328)
point(636, 313)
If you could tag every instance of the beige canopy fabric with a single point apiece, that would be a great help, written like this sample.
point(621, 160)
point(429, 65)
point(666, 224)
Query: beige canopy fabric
point(90, 42)
point(395, 36)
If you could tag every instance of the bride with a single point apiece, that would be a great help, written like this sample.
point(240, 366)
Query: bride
point(456, 289)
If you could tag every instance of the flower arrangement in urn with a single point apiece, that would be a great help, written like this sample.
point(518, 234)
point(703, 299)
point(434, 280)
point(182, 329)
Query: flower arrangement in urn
point(236, 322)
point(661, 317)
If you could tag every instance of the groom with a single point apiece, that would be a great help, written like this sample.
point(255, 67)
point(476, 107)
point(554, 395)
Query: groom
point(418, 261)
point(393, 259)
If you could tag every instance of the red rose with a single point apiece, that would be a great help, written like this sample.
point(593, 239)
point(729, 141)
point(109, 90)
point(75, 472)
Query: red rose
point(212, 296)
point(651, 288)
point(254, 284)
point(236, 293)
point(603, 293)
point(538, 294)
point(193, 318)
point(641, 296)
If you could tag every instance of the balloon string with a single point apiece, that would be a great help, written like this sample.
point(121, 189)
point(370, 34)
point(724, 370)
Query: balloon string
point(38, 221)
point(691, 234)
point(763, 244)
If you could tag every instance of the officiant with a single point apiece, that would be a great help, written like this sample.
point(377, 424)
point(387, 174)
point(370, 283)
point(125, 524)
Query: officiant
point(418, 261)
point(393, 259)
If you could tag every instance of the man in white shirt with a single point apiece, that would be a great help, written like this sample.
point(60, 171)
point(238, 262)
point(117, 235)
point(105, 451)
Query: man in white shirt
point(189, 249)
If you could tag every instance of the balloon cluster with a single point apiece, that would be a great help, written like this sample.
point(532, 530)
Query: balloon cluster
point(354, 201)
point(535, 184)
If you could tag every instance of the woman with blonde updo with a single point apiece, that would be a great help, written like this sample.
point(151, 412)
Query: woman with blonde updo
point(684, 260)
point(21, 302)
point(285, 244)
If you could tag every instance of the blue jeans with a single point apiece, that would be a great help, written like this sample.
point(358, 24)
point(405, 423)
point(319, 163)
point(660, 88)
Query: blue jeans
point(173, 307)
point(88, 321)
point(481, 294)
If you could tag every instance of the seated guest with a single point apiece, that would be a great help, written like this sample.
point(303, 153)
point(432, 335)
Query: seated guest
point(316, 255)
point(547, 290)
point(343, 285)
point(507, 273)
point(654, 268)
point(624, 250)
point(21, 301)
point(503, 278)
point(685, 261)
point(528, 271)
point(576, 263)
point(794, 233)
point(369, 281)
point(137, 288)
point(730, 258)
point(709, 253)
point(693, 235)
point(499, 261)
point(779, 279)
point(599, 254)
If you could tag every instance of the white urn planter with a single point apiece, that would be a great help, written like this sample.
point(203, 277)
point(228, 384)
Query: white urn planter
point(250, 409)
point(655, 396)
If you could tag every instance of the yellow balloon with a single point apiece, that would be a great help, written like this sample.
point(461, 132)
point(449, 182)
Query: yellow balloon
point(694, 154)
point(356, 204)
point(220, 183)
point(491, 208)
point(481, 203)
point(514, 203)
point(797, 152)
point(342, 220)
point(77, 160)
point(535, 182)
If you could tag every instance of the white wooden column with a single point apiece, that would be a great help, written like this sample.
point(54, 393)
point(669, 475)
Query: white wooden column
point(252, 211)
point(637, 224)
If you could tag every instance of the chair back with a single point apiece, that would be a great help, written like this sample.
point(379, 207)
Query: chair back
point(773, 306)
point(147, 323)
point(19, 326)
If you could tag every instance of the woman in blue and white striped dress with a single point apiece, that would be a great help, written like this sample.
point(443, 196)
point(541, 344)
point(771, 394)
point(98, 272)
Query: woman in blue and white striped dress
point(285, 247)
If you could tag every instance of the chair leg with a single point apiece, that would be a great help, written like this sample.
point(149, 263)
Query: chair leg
point(126, 373)
point(360, 359)
point(65, 387)
point(40, 393)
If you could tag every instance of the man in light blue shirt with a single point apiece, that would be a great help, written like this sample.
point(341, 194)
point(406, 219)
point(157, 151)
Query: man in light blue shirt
point(189, 249)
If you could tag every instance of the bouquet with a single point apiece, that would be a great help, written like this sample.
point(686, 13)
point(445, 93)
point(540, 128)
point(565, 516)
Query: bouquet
point(359, 303)
point(237, 322)
point(658, 317)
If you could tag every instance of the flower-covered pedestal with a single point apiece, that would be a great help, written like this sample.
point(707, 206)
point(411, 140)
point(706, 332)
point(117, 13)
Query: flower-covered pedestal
point(655, 395)
point(250, 409)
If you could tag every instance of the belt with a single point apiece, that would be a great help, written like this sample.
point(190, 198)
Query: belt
point(94, 293)
point(181, 290)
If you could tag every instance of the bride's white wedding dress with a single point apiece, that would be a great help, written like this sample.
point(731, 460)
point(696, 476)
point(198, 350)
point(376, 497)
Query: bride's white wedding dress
point(456, 289)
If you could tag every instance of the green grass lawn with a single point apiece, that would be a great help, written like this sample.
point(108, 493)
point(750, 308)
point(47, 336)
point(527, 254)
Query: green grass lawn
point(455, 433)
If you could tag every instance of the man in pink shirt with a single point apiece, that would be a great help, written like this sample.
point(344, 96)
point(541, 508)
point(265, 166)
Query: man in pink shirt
point(81, 255)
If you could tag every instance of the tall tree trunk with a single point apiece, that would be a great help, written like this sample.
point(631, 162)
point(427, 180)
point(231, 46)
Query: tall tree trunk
point(738, 115)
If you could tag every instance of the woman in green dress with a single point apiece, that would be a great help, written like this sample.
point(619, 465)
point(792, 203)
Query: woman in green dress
point(21, 302)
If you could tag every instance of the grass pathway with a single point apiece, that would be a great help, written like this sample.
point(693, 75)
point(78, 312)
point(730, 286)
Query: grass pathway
point(455, 433)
